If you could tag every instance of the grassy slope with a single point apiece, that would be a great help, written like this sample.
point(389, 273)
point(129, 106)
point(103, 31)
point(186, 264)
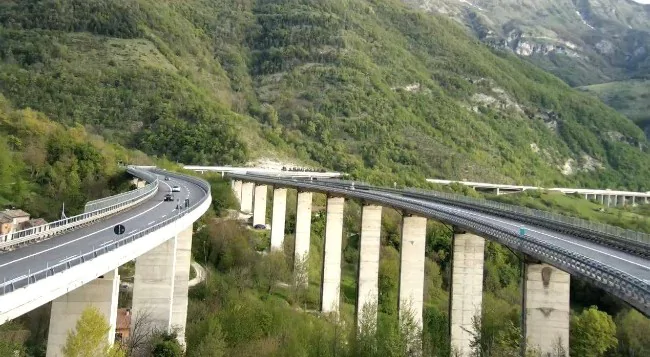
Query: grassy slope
point(631, 98)
point(221, 81)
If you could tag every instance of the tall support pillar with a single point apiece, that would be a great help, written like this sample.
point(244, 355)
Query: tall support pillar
point(303, 236)
point(247, 197)
point(633, 201)
point(602, 199)
point(279, 213)
point(181, 282)
point(546, 308)
point(236, 188)
point(497, 191)
point(466, 289)
point(153, 286)
point(411, 269)
point(259, 211)
point(368, 291)
point(101, 293)
point(331, 282)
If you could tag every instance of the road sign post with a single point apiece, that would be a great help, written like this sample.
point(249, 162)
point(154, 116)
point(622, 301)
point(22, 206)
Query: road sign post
point(119, 229)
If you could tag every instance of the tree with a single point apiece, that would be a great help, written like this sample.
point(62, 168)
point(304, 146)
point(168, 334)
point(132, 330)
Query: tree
point(593, 333)
point(166, 345)
point(632, 331)
point(90, 337)
point(210, 338)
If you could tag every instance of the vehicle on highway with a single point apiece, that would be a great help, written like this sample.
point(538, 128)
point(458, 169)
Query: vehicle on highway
point(169, 198)
point(166, 178)
point(176, 189)
point(259, 226)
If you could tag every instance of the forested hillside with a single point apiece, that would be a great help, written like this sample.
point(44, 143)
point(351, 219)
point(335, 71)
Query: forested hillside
point(367, 87)
point(43, 164)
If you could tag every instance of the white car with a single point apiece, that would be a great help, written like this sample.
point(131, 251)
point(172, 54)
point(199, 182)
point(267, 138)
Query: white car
point(176, 189)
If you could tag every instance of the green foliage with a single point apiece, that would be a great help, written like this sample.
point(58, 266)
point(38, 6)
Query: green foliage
point(374, 89)
point(166, 345)
point(631, 332)
point(89, 339)
point(593, 333)
point(43, 164)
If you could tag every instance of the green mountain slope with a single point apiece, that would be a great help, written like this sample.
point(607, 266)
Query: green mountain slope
point(367, 87)
point(43, 164)
point(631, 98)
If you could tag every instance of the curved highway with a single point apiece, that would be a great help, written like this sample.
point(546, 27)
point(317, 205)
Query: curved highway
point(621, 273)
point(68, 247)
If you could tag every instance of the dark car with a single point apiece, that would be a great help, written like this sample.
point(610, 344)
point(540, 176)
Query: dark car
point(259, 226)
point(169, 197)
point(166, 178)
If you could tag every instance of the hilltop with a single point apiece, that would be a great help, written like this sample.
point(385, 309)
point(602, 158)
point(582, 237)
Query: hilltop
point(372, 88)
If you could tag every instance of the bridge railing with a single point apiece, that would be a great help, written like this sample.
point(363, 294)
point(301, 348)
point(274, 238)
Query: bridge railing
point(120, 203)
point(31, 277)
point(112, 200)
point(625, 239)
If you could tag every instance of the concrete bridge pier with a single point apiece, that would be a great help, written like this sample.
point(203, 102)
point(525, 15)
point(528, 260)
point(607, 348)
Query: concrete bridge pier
point(466, 289)
point(153, 287)
point(259, 210)
point(303, 236)
point(331, 281)
point(101, 293)
point(368, 279)
point(236, 188)
point(181, 282)
point(411, 269)
point(278, 218)
point(545, 308)
point(247, 197)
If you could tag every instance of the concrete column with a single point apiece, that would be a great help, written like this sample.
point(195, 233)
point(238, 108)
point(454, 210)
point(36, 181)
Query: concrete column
point(645, 200)
point(633, 201)
point(369, 247)
point(411, 269)
point(331, 282)
point(602, 199)
point(279, 213)
point(236, 187)
point(620, 200)
point(181, 280)
point(101, 293)
point(247, 197)
point(466, 289)
point(586, 197)
point(546, 308)
point(303, 235)
point(259, 211)
point(153, 286)
point(497, 191)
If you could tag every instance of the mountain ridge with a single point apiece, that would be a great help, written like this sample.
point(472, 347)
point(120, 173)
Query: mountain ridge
point(371, 88)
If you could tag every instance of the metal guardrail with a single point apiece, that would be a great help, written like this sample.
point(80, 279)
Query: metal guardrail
point(51, 229)
point(629, 288)
point(32, 277)
point(628, 240)
point(112, 200)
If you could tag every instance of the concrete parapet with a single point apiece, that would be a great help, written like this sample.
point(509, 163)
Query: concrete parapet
point(181, 281)
point(303, 235)
point(331, 282)
point(546, 308)
point(247, 197)
point(369, 248)
point(101, 293)
point(259, 210)
point(466, 289)
point(411, 270)
point(278, 218)
point(153, 286)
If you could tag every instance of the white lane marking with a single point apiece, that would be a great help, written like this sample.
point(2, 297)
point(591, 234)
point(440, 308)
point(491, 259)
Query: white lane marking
point(150, 223)
point(106, 243)
point(78, 239)
point(164, 215)
point(555, 237)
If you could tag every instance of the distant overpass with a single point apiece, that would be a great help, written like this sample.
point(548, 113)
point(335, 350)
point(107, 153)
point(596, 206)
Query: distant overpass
point(289, 172)
point(604, 196)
